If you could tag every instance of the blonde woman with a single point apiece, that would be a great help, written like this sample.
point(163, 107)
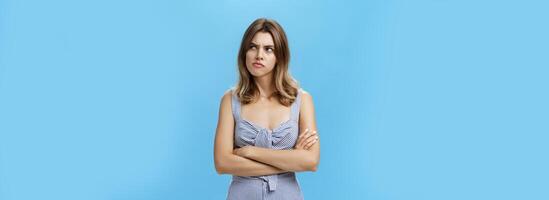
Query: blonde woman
point(266, 129)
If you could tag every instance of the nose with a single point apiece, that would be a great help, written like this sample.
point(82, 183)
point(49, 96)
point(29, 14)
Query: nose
point(259, 54)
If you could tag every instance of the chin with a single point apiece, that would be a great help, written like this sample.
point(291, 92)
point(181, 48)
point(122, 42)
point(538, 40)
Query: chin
point(256, 73)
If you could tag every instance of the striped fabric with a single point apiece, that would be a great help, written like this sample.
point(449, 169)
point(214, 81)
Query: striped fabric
point(284, 136)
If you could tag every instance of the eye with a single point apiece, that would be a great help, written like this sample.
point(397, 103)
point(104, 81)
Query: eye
point(269, 49)
point(252, 47)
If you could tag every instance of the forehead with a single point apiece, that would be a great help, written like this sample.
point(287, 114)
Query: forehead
point(263, 38)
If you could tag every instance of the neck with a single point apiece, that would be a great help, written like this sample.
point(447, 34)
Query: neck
point(265, 85)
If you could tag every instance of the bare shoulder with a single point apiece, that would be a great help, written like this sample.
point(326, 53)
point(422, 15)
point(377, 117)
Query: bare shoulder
point(226, 100)
point(306, 98)
point(307, 111)
point(227, 95)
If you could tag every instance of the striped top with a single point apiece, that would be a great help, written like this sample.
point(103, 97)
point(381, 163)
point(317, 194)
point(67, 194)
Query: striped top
point(284, 136)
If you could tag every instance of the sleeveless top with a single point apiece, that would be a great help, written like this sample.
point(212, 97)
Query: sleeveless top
point(284, 136)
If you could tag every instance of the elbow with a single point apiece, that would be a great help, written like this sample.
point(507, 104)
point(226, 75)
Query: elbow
point(309, 162)
point(220, 170)
point(220, 167)
point(311, 165)
point(223, 163)
point(313, 168)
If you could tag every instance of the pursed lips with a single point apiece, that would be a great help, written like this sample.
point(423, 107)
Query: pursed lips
point(257, 64)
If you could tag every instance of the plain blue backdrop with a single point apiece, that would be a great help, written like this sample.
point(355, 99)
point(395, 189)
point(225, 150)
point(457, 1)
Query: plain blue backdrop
point(415, 100)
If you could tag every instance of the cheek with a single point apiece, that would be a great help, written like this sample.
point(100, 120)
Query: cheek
point(249, 59)
point(271, 60)
point(249, 56)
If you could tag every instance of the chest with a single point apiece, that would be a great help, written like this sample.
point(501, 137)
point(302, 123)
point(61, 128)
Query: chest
point(267, 114)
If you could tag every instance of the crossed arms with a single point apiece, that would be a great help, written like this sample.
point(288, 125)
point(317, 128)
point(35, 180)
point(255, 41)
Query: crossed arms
point(257, 161)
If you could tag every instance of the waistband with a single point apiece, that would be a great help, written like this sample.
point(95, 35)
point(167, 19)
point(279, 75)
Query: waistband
point(271, 180)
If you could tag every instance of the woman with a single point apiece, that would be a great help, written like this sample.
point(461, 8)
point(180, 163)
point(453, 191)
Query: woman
point(266, 129)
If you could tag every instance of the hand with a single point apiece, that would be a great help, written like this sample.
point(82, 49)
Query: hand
point(244, 151)
point(306, 139)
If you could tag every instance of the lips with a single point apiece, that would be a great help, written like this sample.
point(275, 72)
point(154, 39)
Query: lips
point(258, 65)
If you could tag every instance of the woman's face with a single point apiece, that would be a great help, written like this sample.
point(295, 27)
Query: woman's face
point(260, 57)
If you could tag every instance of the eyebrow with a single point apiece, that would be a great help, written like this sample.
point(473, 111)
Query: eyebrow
point(272, 46)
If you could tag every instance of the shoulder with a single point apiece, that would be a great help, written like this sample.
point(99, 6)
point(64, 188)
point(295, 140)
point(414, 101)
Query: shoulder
point(227, 98)
point(307, 109)
point(306, 98)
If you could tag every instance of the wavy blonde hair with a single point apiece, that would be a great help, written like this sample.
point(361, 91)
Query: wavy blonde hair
point(286, 87)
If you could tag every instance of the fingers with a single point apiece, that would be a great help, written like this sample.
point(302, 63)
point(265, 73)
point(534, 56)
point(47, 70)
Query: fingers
point(306, 135)
point(242, 151)
point(303, 133)
point(307, 139)
point(312, 140)
point(301, 138)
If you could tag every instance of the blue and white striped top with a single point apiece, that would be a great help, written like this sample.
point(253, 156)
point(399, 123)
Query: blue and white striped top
point(284, 136)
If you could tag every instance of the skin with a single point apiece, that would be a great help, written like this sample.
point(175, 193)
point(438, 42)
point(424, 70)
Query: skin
point(257, 161)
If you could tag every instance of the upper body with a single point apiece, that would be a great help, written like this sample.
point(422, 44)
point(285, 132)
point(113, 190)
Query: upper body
point(266, 93)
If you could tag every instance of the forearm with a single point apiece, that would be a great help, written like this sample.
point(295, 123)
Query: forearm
point(241, 166)
point(294, 160)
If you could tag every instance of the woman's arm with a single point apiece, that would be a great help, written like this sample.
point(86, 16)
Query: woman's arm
point(225, 161)
point(291, 160)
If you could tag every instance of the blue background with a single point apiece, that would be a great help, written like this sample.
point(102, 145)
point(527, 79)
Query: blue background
point(415, 100)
